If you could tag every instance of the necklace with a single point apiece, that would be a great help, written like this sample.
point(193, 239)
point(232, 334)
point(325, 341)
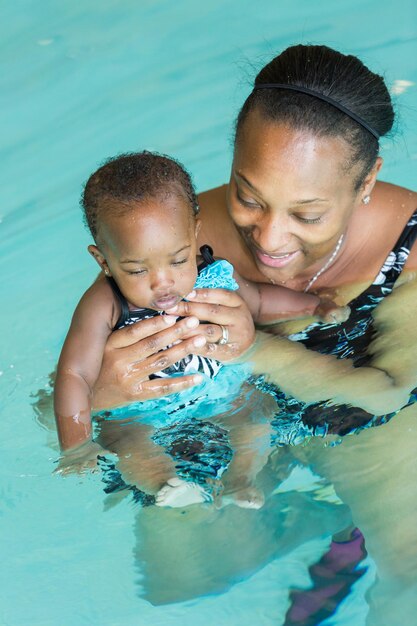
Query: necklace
point(326, 265)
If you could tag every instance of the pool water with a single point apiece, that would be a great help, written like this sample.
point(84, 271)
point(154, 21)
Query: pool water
point(84, 81)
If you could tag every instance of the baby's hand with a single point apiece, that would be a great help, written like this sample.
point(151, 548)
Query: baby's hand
point(80, 459)
point(330, 313)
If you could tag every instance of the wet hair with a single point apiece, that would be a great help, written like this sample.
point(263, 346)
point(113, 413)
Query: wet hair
point(133, 177)
point(343, 78)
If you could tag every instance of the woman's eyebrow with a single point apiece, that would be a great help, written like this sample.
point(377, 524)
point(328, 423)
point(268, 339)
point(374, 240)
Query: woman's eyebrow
point(303, 201)
point(247, 182)
point(309, 201)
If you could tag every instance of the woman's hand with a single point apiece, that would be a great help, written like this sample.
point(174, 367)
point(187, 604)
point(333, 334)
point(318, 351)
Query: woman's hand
point(224, 317)
point(133, 353)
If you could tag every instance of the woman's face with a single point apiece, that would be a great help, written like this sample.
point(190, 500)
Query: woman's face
point(291, 195)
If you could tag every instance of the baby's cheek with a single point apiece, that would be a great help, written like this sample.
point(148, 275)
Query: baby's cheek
point(188, 280)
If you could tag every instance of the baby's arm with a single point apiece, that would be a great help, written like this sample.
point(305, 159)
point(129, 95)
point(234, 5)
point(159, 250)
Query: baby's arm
point(80, 363)
point(272, 303)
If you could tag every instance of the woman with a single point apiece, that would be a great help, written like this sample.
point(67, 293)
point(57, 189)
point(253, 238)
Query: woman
point(303, 208)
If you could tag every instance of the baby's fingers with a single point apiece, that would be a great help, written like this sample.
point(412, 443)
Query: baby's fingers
point(332, 314)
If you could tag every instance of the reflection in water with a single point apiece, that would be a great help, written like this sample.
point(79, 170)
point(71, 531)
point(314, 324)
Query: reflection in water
point(224, 424)
point(332, 580)
point(186, 553)
point(374, 473)
point(189, 552)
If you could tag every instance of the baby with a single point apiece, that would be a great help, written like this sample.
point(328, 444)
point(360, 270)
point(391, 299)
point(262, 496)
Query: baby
point(141, 210)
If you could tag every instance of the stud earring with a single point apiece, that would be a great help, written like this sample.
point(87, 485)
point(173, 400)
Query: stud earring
point(107, 272)
point(366, 199)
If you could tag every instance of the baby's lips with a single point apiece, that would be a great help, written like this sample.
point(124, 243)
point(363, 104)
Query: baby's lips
point(166, 303)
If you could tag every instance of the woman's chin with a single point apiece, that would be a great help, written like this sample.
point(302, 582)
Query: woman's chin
point(273, 275)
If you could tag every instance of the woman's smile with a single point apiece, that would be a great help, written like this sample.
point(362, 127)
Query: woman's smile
point(276, 260)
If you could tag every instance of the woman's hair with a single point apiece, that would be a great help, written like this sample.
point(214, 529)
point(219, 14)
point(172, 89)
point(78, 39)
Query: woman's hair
point(130, 178)
point(344, 79)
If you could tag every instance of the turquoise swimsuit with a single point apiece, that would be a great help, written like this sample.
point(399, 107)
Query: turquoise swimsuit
point(211, 274)
point(203, 399)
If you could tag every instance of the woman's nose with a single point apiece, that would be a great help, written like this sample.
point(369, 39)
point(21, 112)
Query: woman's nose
point(271, 233)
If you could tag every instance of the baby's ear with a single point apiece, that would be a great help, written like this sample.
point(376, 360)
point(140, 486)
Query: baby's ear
point(95, 252)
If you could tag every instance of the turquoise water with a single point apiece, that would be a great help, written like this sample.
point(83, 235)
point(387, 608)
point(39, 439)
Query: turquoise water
point(81, 82)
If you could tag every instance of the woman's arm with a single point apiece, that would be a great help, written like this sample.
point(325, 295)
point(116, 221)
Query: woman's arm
point(380, 388)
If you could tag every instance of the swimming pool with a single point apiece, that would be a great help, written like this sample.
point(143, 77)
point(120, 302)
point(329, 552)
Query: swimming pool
point(80, 83)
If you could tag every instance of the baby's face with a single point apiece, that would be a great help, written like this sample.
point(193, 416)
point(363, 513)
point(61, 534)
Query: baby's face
point(151, 251)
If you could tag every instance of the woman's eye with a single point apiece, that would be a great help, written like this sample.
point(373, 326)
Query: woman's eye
point(309, 220)
point(180, 262)
point(248, 203)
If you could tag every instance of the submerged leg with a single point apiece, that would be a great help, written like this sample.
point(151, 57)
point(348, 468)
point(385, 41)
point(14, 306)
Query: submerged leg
point(250, 443)
point(249, 427)
point(146, 465)
point(141, 462)
point(375, 473)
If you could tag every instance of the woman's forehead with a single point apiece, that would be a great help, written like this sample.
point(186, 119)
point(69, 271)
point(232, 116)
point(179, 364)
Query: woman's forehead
point(268, 152)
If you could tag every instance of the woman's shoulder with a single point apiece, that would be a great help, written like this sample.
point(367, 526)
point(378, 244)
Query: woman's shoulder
point(396, 205)
point(383, 220)
point(215, 220)
point(395, 199)
point(213, 203)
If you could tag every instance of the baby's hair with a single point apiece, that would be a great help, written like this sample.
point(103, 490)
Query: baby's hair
point(133, 177)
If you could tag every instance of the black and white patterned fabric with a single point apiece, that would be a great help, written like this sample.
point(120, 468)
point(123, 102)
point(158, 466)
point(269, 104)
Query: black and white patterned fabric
point(211, 274)
point(295, 420)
